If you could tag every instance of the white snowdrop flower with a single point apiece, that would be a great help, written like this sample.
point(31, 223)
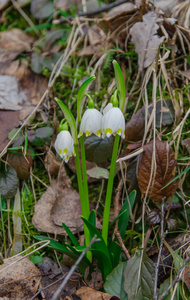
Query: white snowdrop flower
point(64, 145)
point(91, 122)
point(113, 122)
point(107, 108)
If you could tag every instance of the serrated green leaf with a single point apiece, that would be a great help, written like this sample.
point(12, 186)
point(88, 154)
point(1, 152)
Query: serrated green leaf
point(139, 277)
point(98, 150)
point(44, 132)
point(9, 182)
point(114, 282)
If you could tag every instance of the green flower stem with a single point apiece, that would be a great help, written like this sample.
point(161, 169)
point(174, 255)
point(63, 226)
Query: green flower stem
point(85, 184)
point(84, 206)
point(109, 190)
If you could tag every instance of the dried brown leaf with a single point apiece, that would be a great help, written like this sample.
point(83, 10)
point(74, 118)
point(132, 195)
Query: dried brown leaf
point(15, 68)
point(186, 276)
point(8, 121)
point(21, 164)
point(186, 74)
point(144, 36)
point(52, 163)
point(163, 174)
point(12, 43)
point(15, 40)
point(59, 204)
point(12, 96)
point(166, 5)
point(3, 3)
point(34, 86)
point(134, 129)
point(186, 143)
point(51, 274)
point(87, 293)
point(165, 114)
point(42, 213)
point(119, 16)
point(20, 280)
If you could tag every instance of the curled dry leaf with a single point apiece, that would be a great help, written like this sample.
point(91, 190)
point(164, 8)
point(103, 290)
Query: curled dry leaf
point(87, 293)
point(52, 163)
point(20, 280)
point(59, 204)
point(119, 15)
point(12, 43)
point(165, 114)
point(21, 164)
point(186, 276)
point(51, 275)
point(153, 217)
point(186, 143)
point(163, 173)
point(144, 36)
point(134, 129)
point(8, 121)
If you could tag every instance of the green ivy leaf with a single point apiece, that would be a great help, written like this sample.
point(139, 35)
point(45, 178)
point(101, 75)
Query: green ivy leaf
point(114, 282)
point(9, 182)
point(98, 150)
point(44, 132)
point(98, 173)
point(13, 132)
point(139, 278)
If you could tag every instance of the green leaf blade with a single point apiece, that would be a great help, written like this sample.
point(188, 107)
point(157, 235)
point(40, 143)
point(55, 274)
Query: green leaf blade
point(80, 95)
point(120, 84)
point(70, 119)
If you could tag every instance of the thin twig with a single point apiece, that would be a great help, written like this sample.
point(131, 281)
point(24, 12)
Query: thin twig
point(116, 202)
point(24, 15)
point(177, 279)
point(121, 243)
point(57, 293)
point(160, 250)
point(94, 12)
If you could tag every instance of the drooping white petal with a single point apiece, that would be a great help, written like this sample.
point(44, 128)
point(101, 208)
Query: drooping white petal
point(64, 145)
point(107, 108)
point(113, 122)
point(91, 122)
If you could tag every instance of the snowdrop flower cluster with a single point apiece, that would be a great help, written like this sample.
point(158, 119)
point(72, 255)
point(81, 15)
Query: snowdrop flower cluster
point(102, 125)
point(111, 122)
